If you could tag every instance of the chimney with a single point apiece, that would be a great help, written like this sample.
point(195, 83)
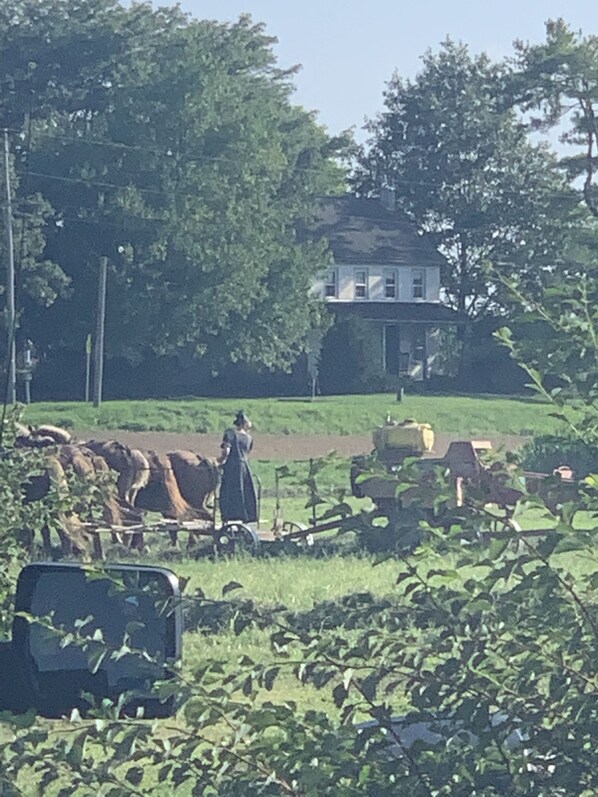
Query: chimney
point(387, 198)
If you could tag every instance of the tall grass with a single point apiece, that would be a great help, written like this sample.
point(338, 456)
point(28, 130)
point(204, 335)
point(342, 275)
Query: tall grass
point(298, 583)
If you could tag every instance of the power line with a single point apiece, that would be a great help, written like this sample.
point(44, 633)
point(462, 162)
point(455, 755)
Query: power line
point(163, 193)
point(170, 152)
point(169, 194)
point(190, 159)
point(103, 143)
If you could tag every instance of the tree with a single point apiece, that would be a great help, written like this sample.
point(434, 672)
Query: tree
point(180, 157)
point(560, 80)
point(50, 65)
point(39, 281)
point(464, 171)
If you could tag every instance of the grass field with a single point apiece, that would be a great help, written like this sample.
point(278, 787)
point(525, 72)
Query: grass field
point(298, 583)
point(301, 584)
point(344, 415)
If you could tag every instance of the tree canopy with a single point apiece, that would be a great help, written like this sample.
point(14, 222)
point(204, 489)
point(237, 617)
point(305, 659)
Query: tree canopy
point(463, 168)
point(171, 146)
point(555, 86)
point(559, 79)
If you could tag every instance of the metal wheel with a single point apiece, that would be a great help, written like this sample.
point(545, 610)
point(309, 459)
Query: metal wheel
point(234, 537)
point(291, 527)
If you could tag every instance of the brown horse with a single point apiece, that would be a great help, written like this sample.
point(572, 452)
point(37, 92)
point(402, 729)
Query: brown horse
point(74, 536)
point(163, 494)
point(198, 479)
point(130, 464)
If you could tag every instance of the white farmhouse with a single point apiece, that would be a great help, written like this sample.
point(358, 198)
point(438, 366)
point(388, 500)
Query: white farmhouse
point(384, 272)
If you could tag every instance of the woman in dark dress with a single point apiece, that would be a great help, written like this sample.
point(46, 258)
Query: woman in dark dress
point(237, 490)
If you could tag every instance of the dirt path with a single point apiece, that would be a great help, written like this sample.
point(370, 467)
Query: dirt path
point(270, 446)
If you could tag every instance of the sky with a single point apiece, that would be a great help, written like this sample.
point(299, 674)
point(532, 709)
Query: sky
point(349, 49)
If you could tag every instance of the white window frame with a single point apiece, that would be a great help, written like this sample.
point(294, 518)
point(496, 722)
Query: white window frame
point(418, 283)
point(391, 278)
point(331, 282)
point(361, 284)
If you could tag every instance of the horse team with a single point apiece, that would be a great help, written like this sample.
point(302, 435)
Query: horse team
point(179, 486)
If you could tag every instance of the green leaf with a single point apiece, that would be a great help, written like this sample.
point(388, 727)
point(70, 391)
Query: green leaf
point(230, 587)
point(134, 775)
point(339, 695)
point(95, 658)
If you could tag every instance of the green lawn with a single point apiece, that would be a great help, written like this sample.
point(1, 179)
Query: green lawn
point(463, 415)
point(300, 584)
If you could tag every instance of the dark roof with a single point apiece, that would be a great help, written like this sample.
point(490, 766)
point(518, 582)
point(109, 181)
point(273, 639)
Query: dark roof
point(361, 231)
point(414, 312)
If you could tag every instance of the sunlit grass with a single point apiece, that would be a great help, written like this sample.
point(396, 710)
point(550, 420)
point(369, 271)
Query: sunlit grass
point(298, 583)
point(344, 415)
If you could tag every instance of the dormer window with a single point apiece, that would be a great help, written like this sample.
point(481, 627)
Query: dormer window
point(390, 283)
point(330, 284)
point(361, 283)
point(419, 283)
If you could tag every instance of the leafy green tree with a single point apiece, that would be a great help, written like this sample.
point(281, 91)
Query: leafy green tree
point(58, 57)
point(39, 281)
point(351, 341)
point(464, 171)
point(180, 157)
point(50, 65)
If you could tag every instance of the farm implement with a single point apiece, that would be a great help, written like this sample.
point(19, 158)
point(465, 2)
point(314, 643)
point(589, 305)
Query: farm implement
point(403, 464)
point(222, 539)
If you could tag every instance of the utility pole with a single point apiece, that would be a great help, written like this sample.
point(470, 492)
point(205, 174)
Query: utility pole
point(98, 371)
point(10, 285)
point(27, 370)
point(87, 367)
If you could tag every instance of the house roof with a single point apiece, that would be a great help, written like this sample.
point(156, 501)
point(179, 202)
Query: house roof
point(360, 231)
point(408, 312)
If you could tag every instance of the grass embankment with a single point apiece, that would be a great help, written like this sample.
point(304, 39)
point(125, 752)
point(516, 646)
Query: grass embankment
point(344, 415)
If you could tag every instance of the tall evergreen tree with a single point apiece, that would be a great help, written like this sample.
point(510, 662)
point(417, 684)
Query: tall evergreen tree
point(555, 84)
point(559, 79)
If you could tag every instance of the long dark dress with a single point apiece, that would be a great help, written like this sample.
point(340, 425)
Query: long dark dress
point(237, 490)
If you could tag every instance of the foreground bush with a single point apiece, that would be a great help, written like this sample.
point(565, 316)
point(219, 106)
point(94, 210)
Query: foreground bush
point(546, 452)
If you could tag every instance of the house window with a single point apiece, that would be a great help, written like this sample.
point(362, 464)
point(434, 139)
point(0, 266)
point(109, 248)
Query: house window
point(361, 283)
point(419, 283)
point(390, 284)
point(330, 284)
